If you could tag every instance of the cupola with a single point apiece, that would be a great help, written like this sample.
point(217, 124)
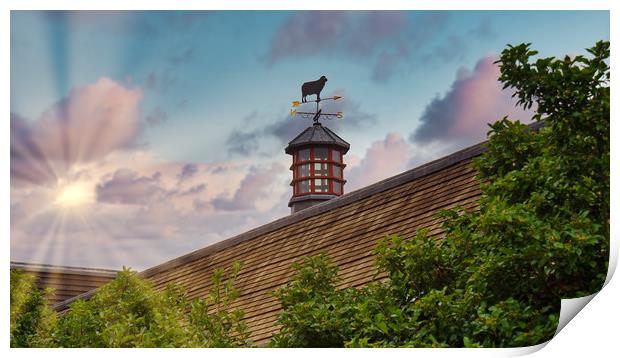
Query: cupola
point(318, 166)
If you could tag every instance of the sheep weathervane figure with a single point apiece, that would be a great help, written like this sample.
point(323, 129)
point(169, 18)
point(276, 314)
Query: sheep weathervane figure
point(310, 88)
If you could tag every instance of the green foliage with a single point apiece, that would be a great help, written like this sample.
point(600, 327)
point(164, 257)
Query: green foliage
point(126, 312)
point(129, 312)
point(315, 313)
point(31, 318)
point(213, 323)
point(540, 233)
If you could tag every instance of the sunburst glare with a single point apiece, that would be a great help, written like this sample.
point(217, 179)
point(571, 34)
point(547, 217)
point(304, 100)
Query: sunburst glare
point(74, 194)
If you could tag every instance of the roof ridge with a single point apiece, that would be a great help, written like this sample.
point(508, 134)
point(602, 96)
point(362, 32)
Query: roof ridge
point(314, 129)
point(299, 135)
point(59, 268)
point(329, 133)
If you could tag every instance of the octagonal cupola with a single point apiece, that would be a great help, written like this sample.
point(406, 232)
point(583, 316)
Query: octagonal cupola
point(318, 166)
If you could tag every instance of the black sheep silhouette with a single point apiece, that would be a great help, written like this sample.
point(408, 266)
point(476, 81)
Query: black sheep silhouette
point(313, 87)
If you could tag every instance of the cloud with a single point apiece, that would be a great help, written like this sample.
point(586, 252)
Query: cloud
point(383, 159)
point(126, 187)
point(28, 161)
point(243, 143)
point(188, 171)
point(461, 114)
point(287, 128)
point(374, 28)
point(156, 116)
point(91, 122)
point(308, 32)
point(147, 210)
point(349, 33)
point(88, 124)
point(386, 39)
point(196, 189)
point(454, 46)
point(354, 33)
point(385, 67)
point(411, 47)
point(390, 156)
point(255, 186)
point(391, 42)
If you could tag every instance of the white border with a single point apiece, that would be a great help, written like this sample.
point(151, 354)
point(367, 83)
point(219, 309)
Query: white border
point(592, 331)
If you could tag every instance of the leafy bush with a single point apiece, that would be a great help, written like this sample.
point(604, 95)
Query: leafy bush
point(540, 233)
point(315, 314)
point(129, 312)
point(32, 320)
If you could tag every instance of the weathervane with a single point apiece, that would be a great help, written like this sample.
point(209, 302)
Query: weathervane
point(310, 88)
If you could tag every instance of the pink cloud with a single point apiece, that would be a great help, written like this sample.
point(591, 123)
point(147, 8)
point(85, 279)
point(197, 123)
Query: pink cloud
point(188, 171)
point(256, 185)
point(147, 210)
point(127, 187)
point(474, 100)
point(383, 159)
point(28, 162)
point(91, 122)
point(88, 124)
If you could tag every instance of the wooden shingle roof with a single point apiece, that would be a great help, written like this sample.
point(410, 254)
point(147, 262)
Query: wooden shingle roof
point(346, 228)
point(67, 281)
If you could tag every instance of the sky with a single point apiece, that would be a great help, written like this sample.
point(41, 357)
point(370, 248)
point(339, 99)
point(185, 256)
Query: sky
point(139, 136)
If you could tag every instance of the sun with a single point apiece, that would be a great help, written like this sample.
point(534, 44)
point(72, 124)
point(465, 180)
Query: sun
point(74, 194)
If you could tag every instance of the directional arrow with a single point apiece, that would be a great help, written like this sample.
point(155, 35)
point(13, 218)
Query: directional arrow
point(334, 98)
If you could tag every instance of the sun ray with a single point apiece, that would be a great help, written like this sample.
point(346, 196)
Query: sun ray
point(101, 234)
point(60, 239)
point(42, 248)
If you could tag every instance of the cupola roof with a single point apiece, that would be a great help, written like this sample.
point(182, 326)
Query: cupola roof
point(317, 134)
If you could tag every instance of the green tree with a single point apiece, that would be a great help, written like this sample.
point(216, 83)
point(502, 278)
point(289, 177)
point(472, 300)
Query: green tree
point(129, 312)
point(540, 233)
point(315, 314)
point(32, 320)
